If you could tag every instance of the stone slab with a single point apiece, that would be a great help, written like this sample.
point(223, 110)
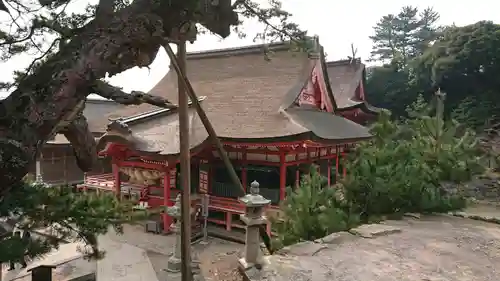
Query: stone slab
point(412, 215)
point(374, 230)
point(306, 248)
point(62, 258)
point(124, 262)
point(478, 216)
point(336, 238)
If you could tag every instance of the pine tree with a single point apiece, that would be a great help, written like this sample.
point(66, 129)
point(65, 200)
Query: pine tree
point(74, 52)
point(63, 214)
point(402, 37)
point(384, 41)
point(312, 211)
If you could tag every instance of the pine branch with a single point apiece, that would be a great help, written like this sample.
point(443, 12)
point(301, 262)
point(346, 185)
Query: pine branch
point(108, 91)
point(58, 214)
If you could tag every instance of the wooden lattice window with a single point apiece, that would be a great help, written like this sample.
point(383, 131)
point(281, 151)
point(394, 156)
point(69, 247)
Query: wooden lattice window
point(203, 181)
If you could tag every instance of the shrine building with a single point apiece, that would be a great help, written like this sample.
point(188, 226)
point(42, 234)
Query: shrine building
point(275, 116)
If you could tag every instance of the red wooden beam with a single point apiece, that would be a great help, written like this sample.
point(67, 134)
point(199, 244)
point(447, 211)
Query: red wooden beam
point(244, 174)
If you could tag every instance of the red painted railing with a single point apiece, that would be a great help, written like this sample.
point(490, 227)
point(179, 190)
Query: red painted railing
point(229, 206)
point(106, 181)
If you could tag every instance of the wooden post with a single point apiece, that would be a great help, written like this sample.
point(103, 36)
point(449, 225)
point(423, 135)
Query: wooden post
point(167, 220)
point(116, 177)
point(204, 119)
point(185, 166)
point(329, 172)
point(439, 116)
point(282, 176)
point(344, 169)
point(38, 169)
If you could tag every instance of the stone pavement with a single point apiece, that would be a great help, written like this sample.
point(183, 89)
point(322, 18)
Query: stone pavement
point(67, 258)
point(157, 249)
point(124, 262)
point(438, 248)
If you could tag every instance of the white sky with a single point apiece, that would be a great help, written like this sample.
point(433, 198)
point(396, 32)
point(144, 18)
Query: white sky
point(338, 24)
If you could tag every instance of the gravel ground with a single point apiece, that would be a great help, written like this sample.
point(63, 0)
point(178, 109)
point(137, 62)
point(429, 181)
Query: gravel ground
point(219, 260)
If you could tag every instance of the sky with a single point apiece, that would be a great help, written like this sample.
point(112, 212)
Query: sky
point(337, 23)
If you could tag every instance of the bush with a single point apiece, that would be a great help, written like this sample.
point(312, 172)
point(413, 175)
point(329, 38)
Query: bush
point(32, 206)
point(404, 168)
point(312, 211)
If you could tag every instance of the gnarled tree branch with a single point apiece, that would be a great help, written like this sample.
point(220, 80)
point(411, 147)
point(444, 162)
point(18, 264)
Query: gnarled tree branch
point(108, 91)
point(105, 7)
point(32, 113)
point(83, 142)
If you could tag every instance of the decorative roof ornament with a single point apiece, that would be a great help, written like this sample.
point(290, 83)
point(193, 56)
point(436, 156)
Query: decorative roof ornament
point(312, 47)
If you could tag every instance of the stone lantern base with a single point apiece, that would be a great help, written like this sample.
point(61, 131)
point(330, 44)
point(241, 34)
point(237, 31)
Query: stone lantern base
point(174, 264)
point(244, 265)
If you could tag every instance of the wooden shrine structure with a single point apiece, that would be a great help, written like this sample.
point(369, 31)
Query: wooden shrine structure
point(274, 118)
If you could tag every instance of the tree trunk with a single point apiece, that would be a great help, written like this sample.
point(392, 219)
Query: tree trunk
point(49, 97)
point(49, 100)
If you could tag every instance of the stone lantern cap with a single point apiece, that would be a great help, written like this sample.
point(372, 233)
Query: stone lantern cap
point(254, 199)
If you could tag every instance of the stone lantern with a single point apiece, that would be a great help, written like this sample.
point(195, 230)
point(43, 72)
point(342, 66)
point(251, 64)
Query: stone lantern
point(253, 218)
point(174, 262)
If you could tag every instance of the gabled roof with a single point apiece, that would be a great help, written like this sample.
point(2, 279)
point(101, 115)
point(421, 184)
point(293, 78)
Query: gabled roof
point(244, 90)
point(344, 78)
point(248, 97)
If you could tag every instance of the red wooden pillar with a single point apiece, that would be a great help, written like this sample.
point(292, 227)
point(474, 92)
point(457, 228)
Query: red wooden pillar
point(344, 170)
point(329, 172)
point(116, 176)
point(282, 176)
point(167, 220)
point(244, 175)
point(336, 164)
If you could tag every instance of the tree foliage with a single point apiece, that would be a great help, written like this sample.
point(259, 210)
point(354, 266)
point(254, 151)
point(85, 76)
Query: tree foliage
point(406, 167)
point(74, 49)
point(312, 211)
point(405, 35)
point(403, 169)
point(62, 215)
point(420, 57)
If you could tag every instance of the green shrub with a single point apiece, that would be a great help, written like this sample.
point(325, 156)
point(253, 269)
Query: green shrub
point(404, 168)
point(312, 211)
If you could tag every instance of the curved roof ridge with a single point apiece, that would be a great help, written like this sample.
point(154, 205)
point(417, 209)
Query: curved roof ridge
point(236, 51)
